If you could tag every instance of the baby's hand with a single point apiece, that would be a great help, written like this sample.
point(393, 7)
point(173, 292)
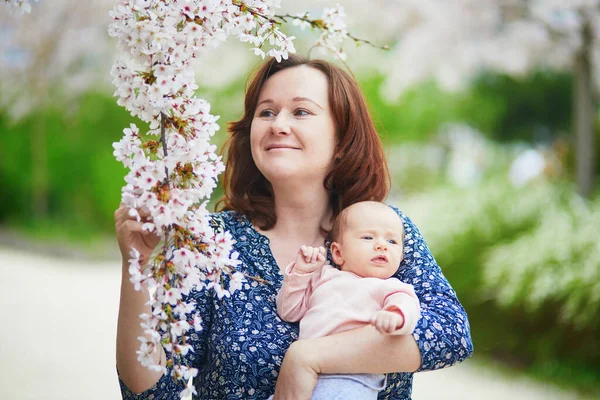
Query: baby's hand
point(309, 259)
point(387, 322)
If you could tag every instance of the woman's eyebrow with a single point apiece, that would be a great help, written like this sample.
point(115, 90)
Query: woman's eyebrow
point(296, 99)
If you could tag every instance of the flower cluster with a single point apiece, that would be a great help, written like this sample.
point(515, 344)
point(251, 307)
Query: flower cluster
point(173, 166)
point(451, 42)
point(22, 5)
point(333, 26)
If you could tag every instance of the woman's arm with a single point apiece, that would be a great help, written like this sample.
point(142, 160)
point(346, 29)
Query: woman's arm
point(442, 333)
point(133, 303)
point(362, 350)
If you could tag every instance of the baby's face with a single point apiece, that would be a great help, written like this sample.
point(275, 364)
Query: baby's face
point(371, 241)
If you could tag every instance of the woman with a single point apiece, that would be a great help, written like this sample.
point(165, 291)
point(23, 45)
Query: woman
point(305, 149)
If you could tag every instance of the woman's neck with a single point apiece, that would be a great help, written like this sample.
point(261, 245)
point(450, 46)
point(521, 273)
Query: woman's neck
point(302, 210)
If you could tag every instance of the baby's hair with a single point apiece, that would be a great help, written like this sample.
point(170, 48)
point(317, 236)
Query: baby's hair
point(339, 223)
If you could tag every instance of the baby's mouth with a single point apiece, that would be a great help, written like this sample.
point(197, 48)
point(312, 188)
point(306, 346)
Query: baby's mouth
point(380, 259)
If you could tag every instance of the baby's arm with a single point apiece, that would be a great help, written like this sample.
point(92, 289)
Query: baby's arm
point(400, 312)
point(299, 277)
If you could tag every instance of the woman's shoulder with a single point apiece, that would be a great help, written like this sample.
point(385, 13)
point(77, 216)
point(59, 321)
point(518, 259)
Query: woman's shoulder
point(412, 234)
point(228, 218)
point(237, 224)
point(405, 219)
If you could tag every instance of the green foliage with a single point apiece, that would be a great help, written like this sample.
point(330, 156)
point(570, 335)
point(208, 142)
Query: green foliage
point(524, 263)
point(535, 108)
point(84, 180)
point(416, 117)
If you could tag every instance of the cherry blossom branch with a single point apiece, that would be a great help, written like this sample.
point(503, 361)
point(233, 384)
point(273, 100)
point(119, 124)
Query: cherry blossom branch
point(331, 24)
point(320, 24)
point(163, 140)
point(22, 5)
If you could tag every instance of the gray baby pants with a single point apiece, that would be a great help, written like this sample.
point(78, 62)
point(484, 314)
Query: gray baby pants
point(348, 387)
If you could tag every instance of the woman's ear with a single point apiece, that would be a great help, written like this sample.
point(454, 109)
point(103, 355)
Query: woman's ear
point(336, 254)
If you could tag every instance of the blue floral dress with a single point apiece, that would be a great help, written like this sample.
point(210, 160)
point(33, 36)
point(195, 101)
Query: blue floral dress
point(243, 343)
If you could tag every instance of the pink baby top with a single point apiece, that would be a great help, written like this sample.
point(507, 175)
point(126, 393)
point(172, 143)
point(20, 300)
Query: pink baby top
point(329, 301)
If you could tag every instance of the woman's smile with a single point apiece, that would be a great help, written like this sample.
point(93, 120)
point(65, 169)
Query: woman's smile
point(279, 147)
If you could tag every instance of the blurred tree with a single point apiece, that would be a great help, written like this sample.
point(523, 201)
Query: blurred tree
point(455, 40)
point(49, 56)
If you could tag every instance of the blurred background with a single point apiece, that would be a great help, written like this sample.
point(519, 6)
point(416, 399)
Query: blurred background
point(489, 110)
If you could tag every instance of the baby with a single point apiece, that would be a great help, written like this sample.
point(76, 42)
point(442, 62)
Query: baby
point(367, 246)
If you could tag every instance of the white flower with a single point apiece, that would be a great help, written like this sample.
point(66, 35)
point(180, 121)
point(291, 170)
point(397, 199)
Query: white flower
point(22, 5)
point(179, 328)
point(258, 52)
point(172, 296)
point(237, 280)
point(188, 392)
point(301, 23)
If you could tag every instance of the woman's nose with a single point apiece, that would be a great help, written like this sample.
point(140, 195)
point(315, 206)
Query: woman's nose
point(281, 125)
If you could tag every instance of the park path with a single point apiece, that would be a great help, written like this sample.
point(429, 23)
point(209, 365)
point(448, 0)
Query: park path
point(57, 339)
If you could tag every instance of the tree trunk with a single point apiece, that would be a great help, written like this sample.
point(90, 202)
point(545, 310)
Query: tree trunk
point(584, 116)
point(39, 161)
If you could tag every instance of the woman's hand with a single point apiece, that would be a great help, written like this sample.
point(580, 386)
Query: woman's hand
point(131, 235)
point(298, 374)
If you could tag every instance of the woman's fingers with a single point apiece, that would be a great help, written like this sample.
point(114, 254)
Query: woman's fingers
point(132, 225)
point(129, 225)
point(125, 212)
point(121, 213)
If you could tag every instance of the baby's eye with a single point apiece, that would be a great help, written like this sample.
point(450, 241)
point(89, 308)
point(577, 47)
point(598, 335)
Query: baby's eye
point(393, 241)
point(367, 237)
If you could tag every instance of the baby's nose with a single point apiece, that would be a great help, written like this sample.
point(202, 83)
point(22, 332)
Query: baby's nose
point(381, 244)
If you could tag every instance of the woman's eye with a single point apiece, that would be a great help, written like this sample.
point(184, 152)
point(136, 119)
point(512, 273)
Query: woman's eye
point(302, 113)
point(266, 113)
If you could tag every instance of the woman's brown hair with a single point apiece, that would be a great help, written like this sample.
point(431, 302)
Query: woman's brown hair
point(358, 170)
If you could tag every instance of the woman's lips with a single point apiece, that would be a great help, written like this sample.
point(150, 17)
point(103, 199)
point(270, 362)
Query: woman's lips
point(281, 147)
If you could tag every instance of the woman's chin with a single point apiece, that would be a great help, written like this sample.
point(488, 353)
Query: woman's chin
point(287, 175)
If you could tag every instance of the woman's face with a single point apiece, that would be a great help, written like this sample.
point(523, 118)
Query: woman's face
point(293, 132)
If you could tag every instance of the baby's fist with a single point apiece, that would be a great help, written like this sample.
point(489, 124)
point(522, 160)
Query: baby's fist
point(387, 322)
point(309, 258)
